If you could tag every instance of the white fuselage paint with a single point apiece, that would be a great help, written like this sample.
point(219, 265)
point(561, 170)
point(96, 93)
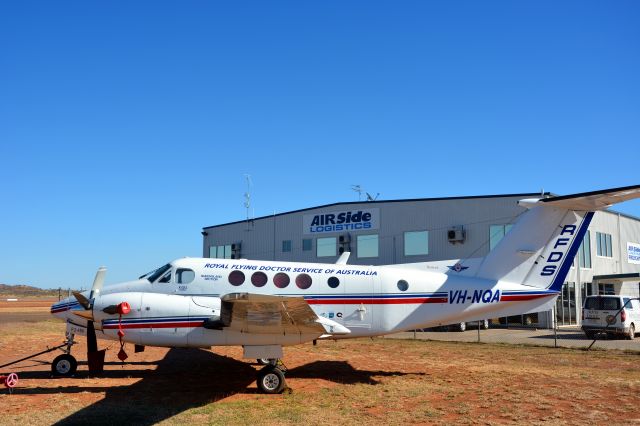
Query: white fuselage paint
point(368, 301)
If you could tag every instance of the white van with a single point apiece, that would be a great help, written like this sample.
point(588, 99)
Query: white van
point(598, 310)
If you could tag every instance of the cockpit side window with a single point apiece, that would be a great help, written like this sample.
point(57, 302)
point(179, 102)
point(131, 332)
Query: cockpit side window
point(166, 278)
point(152, 276)
point(184, 276)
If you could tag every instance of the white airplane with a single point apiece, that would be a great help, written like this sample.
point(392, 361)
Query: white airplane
point(266, 305)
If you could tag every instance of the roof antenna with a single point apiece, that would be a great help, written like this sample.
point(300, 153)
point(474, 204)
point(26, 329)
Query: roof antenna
point(358, 189)
point(370, 198)
point(247, 198)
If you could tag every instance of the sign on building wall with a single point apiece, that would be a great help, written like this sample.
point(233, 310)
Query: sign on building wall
point(341, 221)
point(633, 253)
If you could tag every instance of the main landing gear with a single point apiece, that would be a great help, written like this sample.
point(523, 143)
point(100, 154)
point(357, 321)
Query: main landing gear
point(271, 376)
point(65, 365)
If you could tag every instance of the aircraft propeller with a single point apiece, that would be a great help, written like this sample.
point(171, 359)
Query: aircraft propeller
point(87, 304)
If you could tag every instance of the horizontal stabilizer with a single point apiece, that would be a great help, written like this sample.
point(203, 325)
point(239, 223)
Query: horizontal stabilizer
point(595, 200)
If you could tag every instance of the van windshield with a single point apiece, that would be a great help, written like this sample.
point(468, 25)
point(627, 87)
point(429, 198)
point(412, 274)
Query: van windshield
point(602, 303)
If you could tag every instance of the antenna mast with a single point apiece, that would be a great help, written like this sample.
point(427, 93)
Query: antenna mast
point(247, 196)
point(358, 189)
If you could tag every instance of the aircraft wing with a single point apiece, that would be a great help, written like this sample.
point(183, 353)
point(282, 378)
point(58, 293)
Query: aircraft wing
point(267, 314)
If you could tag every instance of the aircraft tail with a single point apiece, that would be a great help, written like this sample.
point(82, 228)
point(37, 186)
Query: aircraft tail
point(539, 250)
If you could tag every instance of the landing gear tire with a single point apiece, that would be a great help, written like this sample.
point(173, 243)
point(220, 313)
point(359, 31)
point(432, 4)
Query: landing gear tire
point(484, 324)
point(462, 326)
point(64, 365)
point(632, 332)
point(271, 380)
point(267, 361)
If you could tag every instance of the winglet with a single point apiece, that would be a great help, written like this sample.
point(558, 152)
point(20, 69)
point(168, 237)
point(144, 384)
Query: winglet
point(344, 257)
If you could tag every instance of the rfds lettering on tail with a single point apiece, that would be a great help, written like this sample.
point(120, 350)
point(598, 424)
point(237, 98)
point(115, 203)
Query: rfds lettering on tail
point(265, 306)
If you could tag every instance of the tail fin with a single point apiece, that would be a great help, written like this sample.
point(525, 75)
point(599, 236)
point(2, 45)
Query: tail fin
point(539, 250)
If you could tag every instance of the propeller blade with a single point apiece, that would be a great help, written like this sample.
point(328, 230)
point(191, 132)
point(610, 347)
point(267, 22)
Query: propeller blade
point(92, 342)
point(88, 315)
point(82, 300)
point(98, 282)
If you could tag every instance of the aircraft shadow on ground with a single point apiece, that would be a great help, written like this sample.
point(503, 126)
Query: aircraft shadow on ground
point(340, 372)
point(184, 379)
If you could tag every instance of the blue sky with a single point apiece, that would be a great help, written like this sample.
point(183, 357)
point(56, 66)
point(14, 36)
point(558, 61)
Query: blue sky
point(125, 127)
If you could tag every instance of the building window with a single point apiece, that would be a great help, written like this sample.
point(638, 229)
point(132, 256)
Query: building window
point(220, 252)
point(496, 232)
point(286, 245)
point(368, 245)
point(306, 244)
point(326, 247)
point(603, 244)
point(605, 289)
point(584, 252)
point(416, 243)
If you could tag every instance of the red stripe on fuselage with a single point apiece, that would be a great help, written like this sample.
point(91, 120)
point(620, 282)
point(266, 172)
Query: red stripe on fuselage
point(377, 301)
point(515, 298)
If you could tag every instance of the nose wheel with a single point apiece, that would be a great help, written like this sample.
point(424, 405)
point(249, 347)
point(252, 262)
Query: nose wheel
point(64, 365)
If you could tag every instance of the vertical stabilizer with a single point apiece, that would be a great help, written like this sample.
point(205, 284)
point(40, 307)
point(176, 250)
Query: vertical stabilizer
point(539, 250)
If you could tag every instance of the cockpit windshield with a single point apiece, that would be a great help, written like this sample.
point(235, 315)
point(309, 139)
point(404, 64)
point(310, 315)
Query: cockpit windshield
point(153, 275)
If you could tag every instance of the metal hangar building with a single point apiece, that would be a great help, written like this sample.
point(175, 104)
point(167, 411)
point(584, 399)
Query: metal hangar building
point(433, 229)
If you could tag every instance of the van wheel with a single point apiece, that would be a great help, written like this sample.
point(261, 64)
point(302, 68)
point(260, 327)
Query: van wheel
point(632, 332)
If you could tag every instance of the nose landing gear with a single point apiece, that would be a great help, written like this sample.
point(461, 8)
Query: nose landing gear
point(65, 365)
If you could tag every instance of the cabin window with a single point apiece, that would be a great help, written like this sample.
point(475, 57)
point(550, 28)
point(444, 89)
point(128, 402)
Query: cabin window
point(236, 277)
point(281, 280)
point(184, 276)
point(333, 282)
point(303, 281)
point(403, 285)
point(259, 279)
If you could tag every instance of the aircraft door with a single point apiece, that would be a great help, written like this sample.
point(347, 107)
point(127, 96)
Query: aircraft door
point(361, 294)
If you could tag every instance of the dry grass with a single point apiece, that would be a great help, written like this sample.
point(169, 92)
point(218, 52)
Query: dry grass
point(379, 381)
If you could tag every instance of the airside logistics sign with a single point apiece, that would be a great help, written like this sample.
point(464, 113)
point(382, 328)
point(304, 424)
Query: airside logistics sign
point(633, 253)
point(341, 221)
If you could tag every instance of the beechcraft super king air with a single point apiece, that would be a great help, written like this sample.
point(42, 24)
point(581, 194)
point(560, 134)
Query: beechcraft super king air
point(264, 305)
